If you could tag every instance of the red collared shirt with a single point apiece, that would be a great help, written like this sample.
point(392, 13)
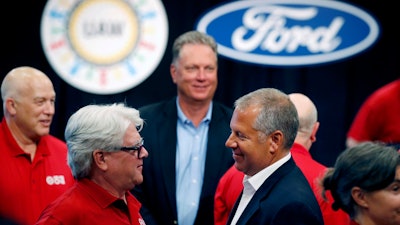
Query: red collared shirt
point(26, 187)
point(88, 203)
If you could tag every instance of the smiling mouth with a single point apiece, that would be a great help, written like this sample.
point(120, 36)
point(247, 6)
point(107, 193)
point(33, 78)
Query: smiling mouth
point(45, 122)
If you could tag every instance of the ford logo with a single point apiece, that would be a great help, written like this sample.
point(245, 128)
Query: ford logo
point(289, 32)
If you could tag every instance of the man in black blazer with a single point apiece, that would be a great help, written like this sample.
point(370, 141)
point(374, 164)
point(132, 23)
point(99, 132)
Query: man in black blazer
point(264, 126)
point(185, 137)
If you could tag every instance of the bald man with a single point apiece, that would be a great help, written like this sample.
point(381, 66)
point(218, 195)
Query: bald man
point(33, 163)
point(230, 185)
point(308, 120)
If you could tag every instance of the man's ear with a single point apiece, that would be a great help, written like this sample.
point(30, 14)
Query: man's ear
point(276, 139)
point(359, 197)
point(11, 106)
point(313, 136)
point(172, 70)
point(99, 159)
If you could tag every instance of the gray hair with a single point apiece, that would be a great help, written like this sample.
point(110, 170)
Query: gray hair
point(97, 127)
point(192, 37)
point(277, 113)
point(369, 165)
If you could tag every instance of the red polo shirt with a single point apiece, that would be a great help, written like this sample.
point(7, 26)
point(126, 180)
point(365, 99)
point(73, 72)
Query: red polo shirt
point(26, 187)
point(88, 203)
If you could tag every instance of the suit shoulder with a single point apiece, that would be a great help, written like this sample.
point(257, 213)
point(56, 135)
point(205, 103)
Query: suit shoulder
point(156, 107)
point(223, 108)
point(150, 107)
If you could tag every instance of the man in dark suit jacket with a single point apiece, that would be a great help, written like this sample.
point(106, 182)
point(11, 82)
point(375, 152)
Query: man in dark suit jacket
point(264, 126)
point(185, 137)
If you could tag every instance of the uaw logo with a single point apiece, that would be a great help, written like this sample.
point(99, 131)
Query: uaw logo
point(104, 46)
point(55, 180)
point(289, 32)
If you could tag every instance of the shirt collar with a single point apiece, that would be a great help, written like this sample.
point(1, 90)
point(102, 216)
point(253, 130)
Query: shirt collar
point(185, 120)
point(97, 193)
point(258, 179)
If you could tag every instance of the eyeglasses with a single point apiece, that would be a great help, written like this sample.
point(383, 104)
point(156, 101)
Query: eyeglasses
point(138, 147)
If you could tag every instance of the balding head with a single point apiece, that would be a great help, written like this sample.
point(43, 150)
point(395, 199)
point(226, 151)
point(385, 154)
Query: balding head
point(21, 81)
point(308, 117)
point(306, 110)
point(28, 103)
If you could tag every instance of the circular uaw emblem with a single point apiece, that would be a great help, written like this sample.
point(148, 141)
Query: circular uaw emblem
point(104, 46)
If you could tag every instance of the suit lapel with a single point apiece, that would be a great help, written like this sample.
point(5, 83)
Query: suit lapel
point(213, 157)
point(216, 150)
point(264, 191)
point(167, 148)
point(233, 211)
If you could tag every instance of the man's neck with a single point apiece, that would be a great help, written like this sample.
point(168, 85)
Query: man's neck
point(195, 111)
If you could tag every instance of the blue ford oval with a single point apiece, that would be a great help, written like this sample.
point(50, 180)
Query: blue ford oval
point(289, 32)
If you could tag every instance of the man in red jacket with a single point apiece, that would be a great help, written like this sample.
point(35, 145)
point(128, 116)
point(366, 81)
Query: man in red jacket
point(230, 185)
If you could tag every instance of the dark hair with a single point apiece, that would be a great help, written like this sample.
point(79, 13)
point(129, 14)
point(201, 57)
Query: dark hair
point(370, 166)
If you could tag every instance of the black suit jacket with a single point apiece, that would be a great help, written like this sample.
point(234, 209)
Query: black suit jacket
point(285, 198)
point(158, 190)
